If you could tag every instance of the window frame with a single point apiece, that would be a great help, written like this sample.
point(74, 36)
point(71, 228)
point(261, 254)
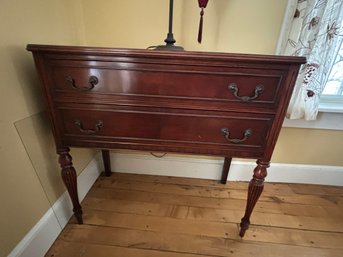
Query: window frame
point(331, 104)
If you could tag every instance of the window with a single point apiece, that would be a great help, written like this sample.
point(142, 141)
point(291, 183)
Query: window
point(332, 97)
point(334, 84)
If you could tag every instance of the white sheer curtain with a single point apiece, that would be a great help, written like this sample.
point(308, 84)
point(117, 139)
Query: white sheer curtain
point(315, 32)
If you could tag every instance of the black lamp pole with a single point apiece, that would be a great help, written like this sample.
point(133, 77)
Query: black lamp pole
point(170, 37)
point(170, 41)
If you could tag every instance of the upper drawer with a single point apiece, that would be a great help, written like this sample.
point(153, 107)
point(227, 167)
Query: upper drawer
point(236, 86)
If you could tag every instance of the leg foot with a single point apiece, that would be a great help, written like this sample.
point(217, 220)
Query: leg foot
point(255, 190)
point(244, 227)
point(78, 215)
point(226, 168)
point(107, 162)
point(70, 180)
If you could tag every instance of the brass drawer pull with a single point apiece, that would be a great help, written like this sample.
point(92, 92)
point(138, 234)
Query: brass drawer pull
point(226, 134)
point(92, 81)
point(98, 127)
point(234, 89)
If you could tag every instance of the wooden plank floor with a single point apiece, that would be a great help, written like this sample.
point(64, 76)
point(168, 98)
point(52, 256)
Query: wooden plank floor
point(130, 215)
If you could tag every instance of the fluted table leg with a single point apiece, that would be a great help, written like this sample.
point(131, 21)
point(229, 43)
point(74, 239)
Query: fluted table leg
point(255, 190)
point(70, 180)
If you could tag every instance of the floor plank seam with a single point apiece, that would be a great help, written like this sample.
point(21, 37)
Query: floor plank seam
point(262, 200)
point(145, 249)
point(298, 229)
point(242, 241)
point(144, 215)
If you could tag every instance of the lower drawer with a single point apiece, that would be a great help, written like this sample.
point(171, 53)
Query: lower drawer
point(162, 128)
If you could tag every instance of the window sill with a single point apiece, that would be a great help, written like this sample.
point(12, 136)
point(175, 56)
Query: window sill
point(331, 120)
point(330, 115)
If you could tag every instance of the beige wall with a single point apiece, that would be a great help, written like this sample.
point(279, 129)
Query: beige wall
point(29, 183)
point(27, 187)
point(241, 26)
point(129, 23)
point(229, 26)
point(309, 146)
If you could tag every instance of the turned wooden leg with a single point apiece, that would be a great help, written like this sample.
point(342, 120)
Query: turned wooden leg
point(107, 162)
point(255, 190)
point(70, 180)
point(226, 168)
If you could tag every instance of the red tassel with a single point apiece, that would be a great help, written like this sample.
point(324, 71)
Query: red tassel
point(200, 26)
point(202, 5)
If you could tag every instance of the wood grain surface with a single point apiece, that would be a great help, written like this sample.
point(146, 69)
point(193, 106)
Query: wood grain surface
point(140, 215)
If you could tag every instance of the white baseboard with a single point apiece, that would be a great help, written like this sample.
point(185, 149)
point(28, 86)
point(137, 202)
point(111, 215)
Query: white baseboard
point(195, 167)
point(39, 239)
point(44, 233)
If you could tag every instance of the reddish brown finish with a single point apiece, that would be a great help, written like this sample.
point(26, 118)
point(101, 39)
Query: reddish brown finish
point(127, 127)
point(107, 162)
point(69, 178)
point(226, 169)
point(254, 192)
point(185, 102)
point(148, 81)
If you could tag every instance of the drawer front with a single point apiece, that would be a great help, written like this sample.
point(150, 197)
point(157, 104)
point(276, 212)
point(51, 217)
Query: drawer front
point(236, 86)
point(147, 126)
